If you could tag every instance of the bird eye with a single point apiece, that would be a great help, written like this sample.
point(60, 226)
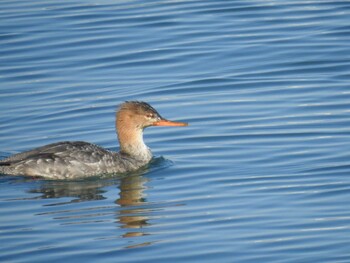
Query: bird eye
point(150, 115)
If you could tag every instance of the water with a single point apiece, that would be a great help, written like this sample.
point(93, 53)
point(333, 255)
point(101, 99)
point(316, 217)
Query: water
point(260, 175)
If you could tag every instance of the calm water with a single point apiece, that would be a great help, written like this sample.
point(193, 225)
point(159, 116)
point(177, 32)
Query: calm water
point(262, 174)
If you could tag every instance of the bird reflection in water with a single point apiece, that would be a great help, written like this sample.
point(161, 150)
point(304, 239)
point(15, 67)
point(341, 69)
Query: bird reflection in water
point(131, 212)
point(132, 216)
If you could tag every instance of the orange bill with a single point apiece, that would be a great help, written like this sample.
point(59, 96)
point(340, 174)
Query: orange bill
point(169, 123)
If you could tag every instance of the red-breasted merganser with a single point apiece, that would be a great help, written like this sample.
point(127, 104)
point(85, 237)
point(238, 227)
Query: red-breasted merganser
point(69, 160)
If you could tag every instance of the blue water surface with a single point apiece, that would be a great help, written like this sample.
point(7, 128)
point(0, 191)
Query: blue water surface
point(262, 174)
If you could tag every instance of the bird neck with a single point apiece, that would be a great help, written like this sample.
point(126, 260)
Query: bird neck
point(131, 141)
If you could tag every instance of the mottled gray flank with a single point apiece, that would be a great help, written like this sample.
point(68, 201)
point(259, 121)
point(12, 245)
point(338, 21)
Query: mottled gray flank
point(71, 160)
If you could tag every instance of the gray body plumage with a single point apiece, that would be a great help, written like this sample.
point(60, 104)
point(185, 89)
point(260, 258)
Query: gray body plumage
point(71, 160)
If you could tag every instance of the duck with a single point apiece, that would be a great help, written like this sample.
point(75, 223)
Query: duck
point(79, 159)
